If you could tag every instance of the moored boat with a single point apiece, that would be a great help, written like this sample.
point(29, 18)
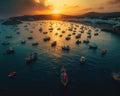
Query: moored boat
point(23, 42)
point(5, 43)
point(10, 50)
point(78, 42)
point(11, 74)
point(46, 38)
point(64, 77)
point(116, 76)
point(35, 44)
point(31, 57)
point(82, 59)
point(104, 51)
point(53, 44)
point(67, 48)
point(92, 46)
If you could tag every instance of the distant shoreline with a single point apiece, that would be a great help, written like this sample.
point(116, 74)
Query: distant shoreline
point(103, 26)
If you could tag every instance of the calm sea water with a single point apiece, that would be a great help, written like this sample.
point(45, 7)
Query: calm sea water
point(42, 78)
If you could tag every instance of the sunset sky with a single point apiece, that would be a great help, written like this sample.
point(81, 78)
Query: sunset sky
point(68, 7)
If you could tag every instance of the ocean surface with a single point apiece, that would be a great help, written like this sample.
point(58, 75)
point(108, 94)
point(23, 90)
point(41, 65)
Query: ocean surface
point(42, 78)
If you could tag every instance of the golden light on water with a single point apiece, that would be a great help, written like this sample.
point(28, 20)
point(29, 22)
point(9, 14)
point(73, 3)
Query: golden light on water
point(37, 1)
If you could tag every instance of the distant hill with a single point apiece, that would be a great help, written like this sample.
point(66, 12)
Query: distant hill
point(41, 17)
point(101, 15)
point(19, 19)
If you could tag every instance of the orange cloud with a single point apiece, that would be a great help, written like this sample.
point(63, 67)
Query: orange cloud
point(111, 2)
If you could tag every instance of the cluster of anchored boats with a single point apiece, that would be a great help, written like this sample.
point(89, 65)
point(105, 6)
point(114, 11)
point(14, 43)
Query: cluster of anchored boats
point(86, 32)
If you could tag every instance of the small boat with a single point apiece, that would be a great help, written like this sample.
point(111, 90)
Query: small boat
point(35, 44)
point(10, 50)
point(66, 48)
point(88, 36)
point(64, 77)
point(23, 42)
point(82, 59)
point(60, 35)
point(78, 42)
point(30, 37)
point(53, 44)
point(5, 43)
point(104, 51)
point(40, 29)
point(96, 34)
point(68, 38)
point(11, 74)
point(78, 36)
point(8, 36)
point(50, 29)
point(69, 34)
point(17, 32)
point(58, 28)
point(45, 32)
point(63, 31)
point(46, 38)
point(86, 41)
point(56, 33)
point(73, 33)
point(116, 76)
point(31, 57)
point(92, 46)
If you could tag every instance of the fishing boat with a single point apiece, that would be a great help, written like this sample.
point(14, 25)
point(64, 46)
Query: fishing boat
point(31, 58)
point(46, 38)
point(10, 50)
point(104, 51)
point(82, 59)
point(68, 38)
point(116, 76)
point(64, 77)
point(11, 74)
point(35, 44)
point(78, 42)
point(86, 41)
point(92, 46)
point(53, 44)
point(66, 48)
point(23, 42)
point(5, 43)
point(9, 36)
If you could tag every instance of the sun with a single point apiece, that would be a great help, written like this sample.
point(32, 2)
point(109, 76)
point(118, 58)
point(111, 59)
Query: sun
point(56, 11)
point(37, 1)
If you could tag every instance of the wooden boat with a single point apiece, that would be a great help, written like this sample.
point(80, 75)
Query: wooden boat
point(64, 77)
point(78, 42)
point(46, 38)
point(10, 50)
point(53, 44)
point(23, 42)
point(29, 38)
point(104, 51)
point(92, 46)
point(31, 58)
point(83, 60)
point(68, 38)
point(67, 48)
point(116, 76)
point(12, 74)
point(5, 43)
point(35, 44)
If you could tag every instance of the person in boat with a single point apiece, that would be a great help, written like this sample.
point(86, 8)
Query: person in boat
point(65, 76)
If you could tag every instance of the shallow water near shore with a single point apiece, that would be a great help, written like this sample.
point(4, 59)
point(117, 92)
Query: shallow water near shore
point(42, 78)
